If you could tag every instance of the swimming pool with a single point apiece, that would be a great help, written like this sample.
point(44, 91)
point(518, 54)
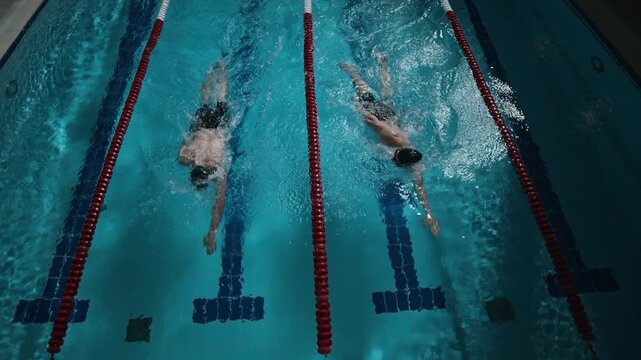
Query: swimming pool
point(147, 259)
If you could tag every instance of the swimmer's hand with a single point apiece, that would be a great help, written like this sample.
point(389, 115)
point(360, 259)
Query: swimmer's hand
point(210, 242)
point(433, 224)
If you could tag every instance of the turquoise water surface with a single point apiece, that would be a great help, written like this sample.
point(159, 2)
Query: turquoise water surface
point(147, 257)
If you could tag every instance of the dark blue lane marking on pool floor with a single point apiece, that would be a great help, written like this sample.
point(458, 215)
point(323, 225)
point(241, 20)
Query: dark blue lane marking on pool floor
point(230, 303)
point(585, 279)
point(408, 294)
point(44, 310)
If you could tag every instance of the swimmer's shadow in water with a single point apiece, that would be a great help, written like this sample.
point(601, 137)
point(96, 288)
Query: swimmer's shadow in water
point(139, 329)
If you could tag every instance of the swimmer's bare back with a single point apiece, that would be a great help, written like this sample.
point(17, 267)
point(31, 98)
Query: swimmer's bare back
point(388, 132)
point(206, 148)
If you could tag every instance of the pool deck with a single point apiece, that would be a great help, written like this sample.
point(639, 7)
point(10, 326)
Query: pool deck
point(14, 15)
point(618, 23)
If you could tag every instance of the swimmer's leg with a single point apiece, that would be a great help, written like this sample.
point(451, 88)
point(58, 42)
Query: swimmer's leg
point(360, 84)
point(386, 79)
point(221, 95)
point(205, 90)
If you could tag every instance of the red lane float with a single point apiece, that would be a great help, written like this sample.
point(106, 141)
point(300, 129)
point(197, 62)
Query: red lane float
point(61, 323)
point(321, 280)
point(560, 266)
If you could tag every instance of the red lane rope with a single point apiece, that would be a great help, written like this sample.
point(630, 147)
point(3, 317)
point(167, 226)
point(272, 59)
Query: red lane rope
point(321, 280)
point(61, 322)
point(560, 266)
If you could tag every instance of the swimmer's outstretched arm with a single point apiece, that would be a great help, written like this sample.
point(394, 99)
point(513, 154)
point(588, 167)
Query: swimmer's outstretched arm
point(422, 196)
point(217, 213)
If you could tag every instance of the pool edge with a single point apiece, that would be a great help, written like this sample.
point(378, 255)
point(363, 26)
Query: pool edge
point(610, 32)
point(16, 41)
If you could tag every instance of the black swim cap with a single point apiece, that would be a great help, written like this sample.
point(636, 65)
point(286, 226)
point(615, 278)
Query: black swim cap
point(407, 156)
point(199, 177)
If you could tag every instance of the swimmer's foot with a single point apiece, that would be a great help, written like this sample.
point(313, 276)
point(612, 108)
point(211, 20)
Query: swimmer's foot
point(347, 67)
point(380, 57)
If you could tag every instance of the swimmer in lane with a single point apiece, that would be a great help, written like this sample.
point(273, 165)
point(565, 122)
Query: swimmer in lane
point(204, 149)
point(382, 118)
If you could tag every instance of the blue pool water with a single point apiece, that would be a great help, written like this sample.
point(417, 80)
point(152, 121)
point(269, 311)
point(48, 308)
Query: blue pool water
point(396, 292)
